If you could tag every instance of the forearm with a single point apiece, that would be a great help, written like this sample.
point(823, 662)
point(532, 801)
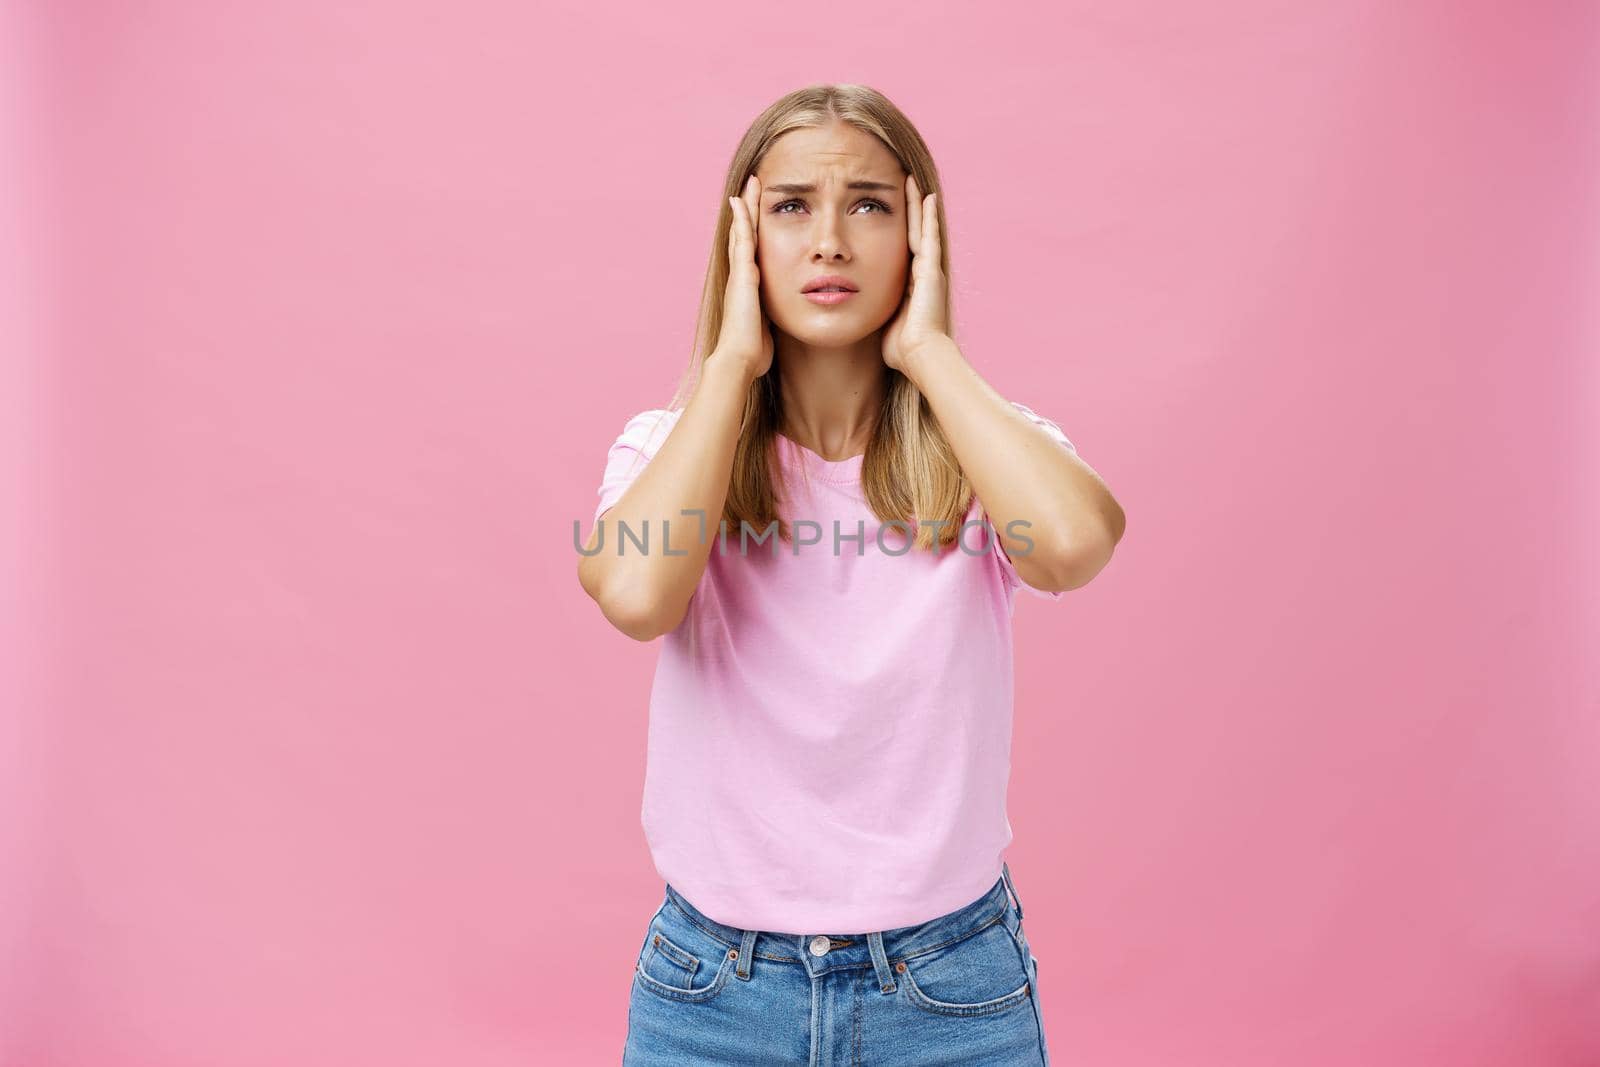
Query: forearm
point(1020, 473)
point(645, 593)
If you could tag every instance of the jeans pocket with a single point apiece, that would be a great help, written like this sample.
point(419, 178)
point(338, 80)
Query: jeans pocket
point(680, 961)
point(980, 974)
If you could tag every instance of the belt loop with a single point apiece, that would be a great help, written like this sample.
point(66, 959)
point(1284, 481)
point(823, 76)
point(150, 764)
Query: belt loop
point(747, 949)
point(1005, 873)
point(880, 962)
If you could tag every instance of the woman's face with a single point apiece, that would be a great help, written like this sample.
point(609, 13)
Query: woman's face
point(831, 228)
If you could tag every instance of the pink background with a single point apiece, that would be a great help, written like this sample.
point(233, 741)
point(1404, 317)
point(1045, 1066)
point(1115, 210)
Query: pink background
point(323, 315)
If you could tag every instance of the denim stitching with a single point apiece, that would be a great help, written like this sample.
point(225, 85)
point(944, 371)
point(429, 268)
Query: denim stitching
point(685, 960)
point(1033, 994)
point(857, 1006)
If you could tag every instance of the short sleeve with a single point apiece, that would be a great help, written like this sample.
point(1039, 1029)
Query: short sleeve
point(631, 452)
point(1007, 568)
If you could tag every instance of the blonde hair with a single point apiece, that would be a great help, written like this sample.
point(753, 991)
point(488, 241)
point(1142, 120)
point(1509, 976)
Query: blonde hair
point(909, 471)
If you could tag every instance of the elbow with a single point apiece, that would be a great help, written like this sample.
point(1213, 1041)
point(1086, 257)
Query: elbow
point(637, 612)
point(641, 625)
point(1087, 559)
point(1116, 522)
point(1081, 548)
point(1079, 561)
point(1078, 575)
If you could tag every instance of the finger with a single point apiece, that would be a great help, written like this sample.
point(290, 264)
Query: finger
point(752, 201)
point(748, 235)
point(737, 233)
point(930, 232)
point(913, 214)
point(739, 257)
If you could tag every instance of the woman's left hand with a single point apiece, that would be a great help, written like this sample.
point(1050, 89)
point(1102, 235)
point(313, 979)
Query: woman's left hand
point(920, 318)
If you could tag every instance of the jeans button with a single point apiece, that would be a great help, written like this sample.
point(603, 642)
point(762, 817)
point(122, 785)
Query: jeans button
point(820, 945)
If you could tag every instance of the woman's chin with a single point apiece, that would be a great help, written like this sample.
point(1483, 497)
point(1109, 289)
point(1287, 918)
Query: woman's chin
point(839, 332)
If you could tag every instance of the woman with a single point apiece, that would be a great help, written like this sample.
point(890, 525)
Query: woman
point(811, 524)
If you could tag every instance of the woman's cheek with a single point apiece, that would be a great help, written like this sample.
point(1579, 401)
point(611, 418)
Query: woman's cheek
point(895, 283)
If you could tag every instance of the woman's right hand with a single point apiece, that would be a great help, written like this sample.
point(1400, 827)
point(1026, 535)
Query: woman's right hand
point(746, 335)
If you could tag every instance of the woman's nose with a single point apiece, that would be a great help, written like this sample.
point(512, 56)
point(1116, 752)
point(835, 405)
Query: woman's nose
point(829, 238)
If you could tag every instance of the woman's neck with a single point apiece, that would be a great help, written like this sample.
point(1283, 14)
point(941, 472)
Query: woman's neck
point(831, 397)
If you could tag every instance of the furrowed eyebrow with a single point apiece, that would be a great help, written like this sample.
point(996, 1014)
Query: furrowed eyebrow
point(786, 188)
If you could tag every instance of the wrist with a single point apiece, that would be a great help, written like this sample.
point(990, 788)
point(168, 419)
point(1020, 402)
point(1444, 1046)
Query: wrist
point(730, 371)
point(917, 361)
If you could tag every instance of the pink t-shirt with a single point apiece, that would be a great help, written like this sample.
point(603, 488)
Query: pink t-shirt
point(829, 733)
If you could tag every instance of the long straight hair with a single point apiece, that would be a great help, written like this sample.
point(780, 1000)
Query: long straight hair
point(909, 471)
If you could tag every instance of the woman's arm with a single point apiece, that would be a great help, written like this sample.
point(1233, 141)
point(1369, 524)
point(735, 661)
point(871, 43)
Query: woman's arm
point(1017, 469)
point(1020, 472)
point(645, 594)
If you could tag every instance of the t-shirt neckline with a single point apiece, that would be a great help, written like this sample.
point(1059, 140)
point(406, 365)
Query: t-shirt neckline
point(841, 471)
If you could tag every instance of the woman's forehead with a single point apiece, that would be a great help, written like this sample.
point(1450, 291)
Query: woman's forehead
point(835, 152)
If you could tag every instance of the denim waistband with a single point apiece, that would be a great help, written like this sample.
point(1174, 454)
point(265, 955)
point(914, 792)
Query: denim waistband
point(873, 948)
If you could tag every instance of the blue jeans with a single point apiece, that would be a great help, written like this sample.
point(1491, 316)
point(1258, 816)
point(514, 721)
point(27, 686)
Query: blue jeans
point(959, 989)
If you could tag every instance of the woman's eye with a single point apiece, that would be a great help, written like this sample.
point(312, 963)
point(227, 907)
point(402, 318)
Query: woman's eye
point(879, 204)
